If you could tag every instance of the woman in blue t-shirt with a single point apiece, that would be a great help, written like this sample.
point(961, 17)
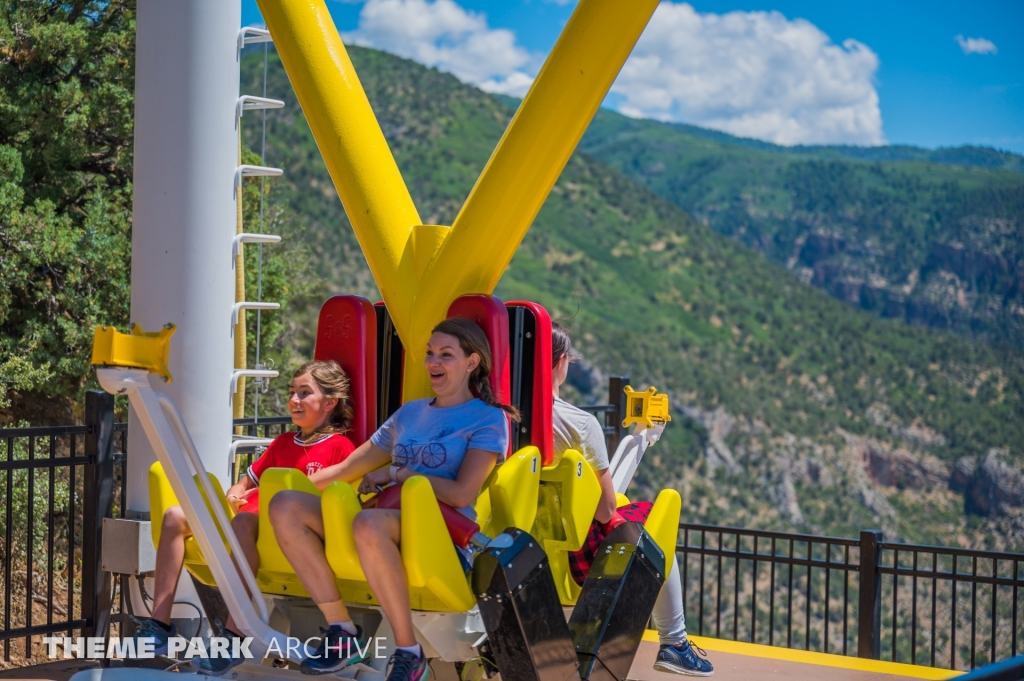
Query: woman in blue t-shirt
point(454, 439)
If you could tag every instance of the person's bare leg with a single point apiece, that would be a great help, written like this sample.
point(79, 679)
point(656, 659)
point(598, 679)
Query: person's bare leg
point(171, 556)
point(378, 532)
point(246, 527)
point(299, 526)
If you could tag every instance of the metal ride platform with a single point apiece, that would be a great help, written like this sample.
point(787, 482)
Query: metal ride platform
point(735, 660)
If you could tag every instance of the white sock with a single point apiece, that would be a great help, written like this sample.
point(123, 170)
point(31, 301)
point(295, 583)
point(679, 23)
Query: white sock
point(416, 650)
point(349, 627)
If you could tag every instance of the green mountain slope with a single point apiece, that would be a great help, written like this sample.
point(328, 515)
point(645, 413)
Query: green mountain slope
point(932, 243)
point(783, 397)
point(966, 155)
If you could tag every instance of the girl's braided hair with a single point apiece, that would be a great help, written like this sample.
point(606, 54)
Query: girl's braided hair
point(473, 339)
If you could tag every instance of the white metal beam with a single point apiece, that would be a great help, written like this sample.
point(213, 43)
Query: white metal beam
point(186, 153)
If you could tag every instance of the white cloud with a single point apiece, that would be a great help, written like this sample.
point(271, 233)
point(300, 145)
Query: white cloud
point(976, 45)
point(443, 34)
point(753, 74)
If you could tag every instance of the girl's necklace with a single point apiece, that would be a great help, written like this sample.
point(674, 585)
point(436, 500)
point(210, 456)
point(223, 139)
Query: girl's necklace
point(319, 438)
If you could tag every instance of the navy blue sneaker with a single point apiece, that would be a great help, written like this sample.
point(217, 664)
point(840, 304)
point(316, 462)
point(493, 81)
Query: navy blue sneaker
point(683, 659)
point(152, 631)
point(215, 666)
point(219, 666)
point(404, 666)
point(337, 650)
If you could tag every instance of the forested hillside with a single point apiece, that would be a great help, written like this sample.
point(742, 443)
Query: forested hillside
point(792, 409)
point(930, 237)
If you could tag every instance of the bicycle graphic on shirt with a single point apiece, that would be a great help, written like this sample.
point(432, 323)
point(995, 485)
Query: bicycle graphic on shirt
point(430, 454)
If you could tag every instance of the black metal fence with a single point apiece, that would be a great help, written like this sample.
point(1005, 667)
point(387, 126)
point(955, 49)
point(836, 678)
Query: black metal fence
point(946, 606)
point(754, 586)
point(937, 606)
point(264, 428)
point(57, 483)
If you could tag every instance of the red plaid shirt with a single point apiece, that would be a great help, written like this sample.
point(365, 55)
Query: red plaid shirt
point(580, 561)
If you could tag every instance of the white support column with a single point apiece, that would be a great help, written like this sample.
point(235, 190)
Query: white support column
point(186, 92)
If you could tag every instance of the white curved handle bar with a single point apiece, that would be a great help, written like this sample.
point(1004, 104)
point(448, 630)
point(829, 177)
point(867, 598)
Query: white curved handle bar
point(220, 518)
point(175, 450)
point(629, 452)
point(248, 442)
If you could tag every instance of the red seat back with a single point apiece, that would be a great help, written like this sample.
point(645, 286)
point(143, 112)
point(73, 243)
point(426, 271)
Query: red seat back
point(347, 333)
point(490, 315)
point(531, 381)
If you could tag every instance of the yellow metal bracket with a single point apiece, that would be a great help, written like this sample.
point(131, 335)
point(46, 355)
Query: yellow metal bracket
point(647, 407)
point(141, 350)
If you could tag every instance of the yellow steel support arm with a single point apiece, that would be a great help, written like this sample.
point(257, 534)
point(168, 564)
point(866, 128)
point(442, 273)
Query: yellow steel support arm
point(355, 152)
point(421, 269)
point(540, 139)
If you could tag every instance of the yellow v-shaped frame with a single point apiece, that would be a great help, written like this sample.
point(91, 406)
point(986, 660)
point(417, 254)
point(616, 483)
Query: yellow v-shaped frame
point(420, 269)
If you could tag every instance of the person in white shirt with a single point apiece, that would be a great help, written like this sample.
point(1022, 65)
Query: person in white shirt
point(576, 429)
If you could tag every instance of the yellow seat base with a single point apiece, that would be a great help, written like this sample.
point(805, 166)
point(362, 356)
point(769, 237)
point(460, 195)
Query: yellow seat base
point(569, 495)
point(162, 497)
point(437, 581)
point(557, 502)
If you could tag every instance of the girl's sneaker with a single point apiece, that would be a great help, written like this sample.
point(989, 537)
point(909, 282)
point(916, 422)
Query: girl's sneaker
point(337, 650)
point(404, 666)
point(683, 659)
point(151, 631)
point(218, 666)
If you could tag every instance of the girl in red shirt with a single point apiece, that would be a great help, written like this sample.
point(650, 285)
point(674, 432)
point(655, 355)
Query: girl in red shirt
point(320, 406)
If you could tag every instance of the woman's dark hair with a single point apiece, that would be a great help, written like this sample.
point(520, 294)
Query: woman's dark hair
point(561, 343)
point(335, 385)
point(473, 339)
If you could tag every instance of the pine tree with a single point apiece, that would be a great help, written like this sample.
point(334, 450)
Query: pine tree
point(66, 119)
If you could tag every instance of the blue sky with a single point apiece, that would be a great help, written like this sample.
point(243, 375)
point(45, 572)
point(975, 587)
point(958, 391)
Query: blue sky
point(788, 71)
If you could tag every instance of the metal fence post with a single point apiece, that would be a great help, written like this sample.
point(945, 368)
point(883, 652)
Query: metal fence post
point(97, 504)
point(617, 399)
point(869, 614)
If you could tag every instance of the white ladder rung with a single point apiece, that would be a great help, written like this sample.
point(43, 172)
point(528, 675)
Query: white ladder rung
point(238, 307)
point(254, 103)
point(255, 171)
point(250, 35)
point(250, 373)
point(244, 444)
point(248, 238)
